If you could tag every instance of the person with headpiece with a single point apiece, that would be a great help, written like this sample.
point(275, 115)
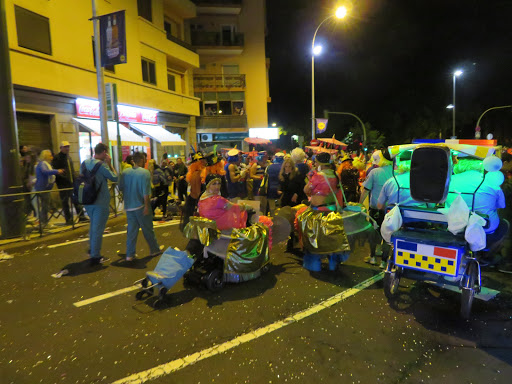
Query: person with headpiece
point(349, 177)
point(375, 162)
point(193, 178)
point(213, 206)
point(257, 172)
point(299, 158)
point(215, 166)
point(272, 173)
point(372, 187)
point(233, 174)
point(320, 225)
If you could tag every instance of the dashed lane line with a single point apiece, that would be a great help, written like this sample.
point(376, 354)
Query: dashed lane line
point(106, 296)
point(173, 222)
point(176, 365)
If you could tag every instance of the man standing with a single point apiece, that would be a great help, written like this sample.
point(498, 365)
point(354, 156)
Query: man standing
point(65, 180)
point(98, 212)
point(373, 186)
point(180, 171)
point(135, 183)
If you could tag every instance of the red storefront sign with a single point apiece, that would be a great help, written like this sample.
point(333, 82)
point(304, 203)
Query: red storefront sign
point(90, 109)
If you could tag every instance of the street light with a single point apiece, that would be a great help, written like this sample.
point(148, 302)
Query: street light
point(456, 74)
point(340, 13)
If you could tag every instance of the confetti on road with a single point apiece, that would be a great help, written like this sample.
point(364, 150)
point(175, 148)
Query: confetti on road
point(176, 365)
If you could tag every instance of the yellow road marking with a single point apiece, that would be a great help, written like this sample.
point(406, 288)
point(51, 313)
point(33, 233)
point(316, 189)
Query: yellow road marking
point(176, 365)
point(173, 222)
point(106, 296)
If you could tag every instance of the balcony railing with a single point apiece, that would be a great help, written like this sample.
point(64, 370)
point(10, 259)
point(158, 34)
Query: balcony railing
point(234, 121)
point(184, 44)
point(214, 39)
point(217, 2)
point(213, 82)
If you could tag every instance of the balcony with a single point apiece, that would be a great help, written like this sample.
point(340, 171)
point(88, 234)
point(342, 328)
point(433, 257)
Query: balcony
point(217, 43)
point(220, 122)
point(219, 7)
point(180, 42)
point(211, 83)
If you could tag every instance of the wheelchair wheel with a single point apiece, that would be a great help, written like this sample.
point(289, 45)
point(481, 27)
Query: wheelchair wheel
point(468, 290)
point(391, 282)
point(214, 281)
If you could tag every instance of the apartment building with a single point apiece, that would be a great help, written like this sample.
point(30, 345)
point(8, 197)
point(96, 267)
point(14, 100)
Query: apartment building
point(232, 81)
point(54, 76)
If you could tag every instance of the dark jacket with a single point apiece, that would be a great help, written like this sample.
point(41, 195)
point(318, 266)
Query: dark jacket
point(289, 187)
point(60, 161)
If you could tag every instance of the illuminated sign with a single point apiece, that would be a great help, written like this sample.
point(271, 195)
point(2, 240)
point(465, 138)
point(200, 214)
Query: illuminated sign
point(264, 133)
point(90, 109)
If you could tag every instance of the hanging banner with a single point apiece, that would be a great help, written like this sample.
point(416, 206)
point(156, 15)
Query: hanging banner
point(321, 125)
point(113, 38)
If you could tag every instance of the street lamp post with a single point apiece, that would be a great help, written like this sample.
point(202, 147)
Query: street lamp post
point(341, 12)
point(456, 74)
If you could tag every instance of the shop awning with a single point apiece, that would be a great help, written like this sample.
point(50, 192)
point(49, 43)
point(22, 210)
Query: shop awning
point(128, 138)
point(156, 132)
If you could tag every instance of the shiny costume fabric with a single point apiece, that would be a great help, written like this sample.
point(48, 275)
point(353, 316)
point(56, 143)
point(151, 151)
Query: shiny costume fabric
point(248, 249)
point(322, 233)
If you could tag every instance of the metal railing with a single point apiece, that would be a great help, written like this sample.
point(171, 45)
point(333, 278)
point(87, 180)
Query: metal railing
point(48, 208)
point(214, 39)
point(217, 2)
point(180, 42)
point(219, 81)
point(233, 121)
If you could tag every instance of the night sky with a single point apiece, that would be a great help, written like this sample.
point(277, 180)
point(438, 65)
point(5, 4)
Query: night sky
point(391, 63)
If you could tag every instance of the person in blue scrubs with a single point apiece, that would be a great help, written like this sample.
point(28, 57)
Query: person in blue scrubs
point(135, 183)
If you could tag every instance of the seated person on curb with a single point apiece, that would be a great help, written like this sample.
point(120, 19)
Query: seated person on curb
point(215, 207)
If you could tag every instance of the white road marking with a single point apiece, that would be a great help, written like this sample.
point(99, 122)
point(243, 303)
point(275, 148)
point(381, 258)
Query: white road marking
point(176, 365)
point(173, 222)
point(107, 295)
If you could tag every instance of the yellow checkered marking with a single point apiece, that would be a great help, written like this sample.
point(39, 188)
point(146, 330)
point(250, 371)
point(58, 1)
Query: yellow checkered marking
point(411, 260)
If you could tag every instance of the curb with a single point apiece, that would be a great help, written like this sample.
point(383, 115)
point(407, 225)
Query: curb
point(57, 237)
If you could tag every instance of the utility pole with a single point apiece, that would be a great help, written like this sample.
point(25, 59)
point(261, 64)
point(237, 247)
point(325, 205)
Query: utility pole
point(11, 208)
point(99, 76)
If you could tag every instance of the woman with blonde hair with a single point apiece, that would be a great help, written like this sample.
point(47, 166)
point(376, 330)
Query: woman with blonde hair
point(291, 187)
point(45, 179)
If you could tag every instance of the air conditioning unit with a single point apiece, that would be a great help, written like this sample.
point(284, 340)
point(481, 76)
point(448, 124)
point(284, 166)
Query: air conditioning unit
point(206, 137)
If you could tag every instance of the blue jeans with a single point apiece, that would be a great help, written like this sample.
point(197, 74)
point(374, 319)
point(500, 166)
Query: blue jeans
point(136, 219)
point(98, 216)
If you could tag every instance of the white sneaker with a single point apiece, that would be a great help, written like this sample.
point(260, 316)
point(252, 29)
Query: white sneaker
point(370, 260)
point(130, 258)
point(382, 264)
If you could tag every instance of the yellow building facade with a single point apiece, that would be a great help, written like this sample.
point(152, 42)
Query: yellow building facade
point(232, 81)
point(52, 64)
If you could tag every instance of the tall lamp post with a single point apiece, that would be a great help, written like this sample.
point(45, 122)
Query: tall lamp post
point(341, 12)
point(456, 74)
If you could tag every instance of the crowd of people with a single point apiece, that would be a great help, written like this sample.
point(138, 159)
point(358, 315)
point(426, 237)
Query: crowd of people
point(217, 181)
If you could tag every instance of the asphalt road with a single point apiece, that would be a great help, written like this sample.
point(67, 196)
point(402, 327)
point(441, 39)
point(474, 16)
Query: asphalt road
point(358, 338)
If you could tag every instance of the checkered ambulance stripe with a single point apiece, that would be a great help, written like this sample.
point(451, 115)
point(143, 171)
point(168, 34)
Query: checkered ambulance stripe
point(428, 258)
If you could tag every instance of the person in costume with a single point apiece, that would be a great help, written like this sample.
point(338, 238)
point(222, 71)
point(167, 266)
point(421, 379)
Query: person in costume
point(193, 178)
point(349, 177)
point(215, 166)
point(320, 226)
point(215, 207)
point(257, 171)
point(233, 174)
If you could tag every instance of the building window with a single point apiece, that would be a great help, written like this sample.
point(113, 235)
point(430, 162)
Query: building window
point(109, 68)
point(172, 28)
point(171, 82)
point(148, 71)
point(33, 30)
point(144, 9)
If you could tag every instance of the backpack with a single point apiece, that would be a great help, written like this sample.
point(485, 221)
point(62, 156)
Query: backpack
point(86, 187)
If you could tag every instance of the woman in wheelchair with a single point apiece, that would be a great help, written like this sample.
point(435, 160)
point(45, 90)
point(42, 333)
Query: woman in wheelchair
point(215, 207)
